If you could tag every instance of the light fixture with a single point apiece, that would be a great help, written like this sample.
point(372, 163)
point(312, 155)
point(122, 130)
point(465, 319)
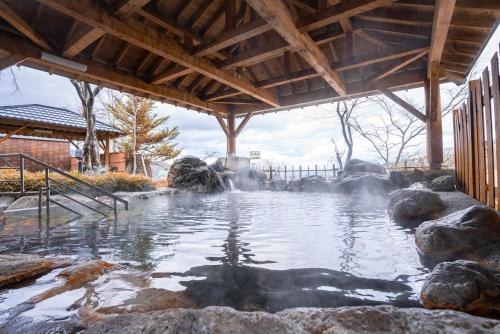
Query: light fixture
point(43, 131)
point(63, 62)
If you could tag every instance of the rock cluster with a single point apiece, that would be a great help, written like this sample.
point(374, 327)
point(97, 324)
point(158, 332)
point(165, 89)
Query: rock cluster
point(471, 239)
point(364, 319)
point(192, 174)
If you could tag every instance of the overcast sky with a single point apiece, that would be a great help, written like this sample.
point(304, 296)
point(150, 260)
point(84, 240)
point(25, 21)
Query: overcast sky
point(300, 136)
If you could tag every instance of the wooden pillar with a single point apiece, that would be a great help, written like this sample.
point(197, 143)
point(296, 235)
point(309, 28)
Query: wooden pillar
point(231, 136)
point(106, 153)
point(434, 120)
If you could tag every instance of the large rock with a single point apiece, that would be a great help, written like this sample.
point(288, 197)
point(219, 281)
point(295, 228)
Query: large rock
point(469, 234)
point(360, 166)
point(275, 185)
point(403, 179)
point(411, 204)
point(192, 174)
point(368, 183)
point(312, 183)
point(443, 183)
point(463, 286)
point(349, 320)
point(15, 268)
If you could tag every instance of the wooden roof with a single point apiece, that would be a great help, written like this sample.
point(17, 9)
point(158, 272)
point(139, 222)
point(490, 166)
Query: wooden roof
point(253, 56)
point(50, 122)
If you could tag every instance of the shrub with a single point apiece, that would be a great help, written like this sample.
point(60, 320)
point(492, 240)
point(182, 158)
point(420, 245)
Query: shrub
point(111, 182)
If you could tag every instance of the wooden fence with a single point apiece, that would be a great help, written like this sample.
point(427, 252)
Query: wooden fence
point(291, 173)
point(477, 138)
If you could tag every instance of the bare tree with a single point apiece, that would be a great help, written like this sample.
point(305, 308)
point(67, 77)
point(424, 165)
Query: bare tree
point(394, 134)
point(344, 113)
point(87, 96)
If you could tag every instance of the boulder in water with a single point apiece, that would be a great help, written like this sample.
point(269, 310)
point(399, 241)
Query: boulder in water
point(362, 183)
point(192, 174)
point(360, 166)
point(469, 234)
point(463, 286)
point(312, 183)
point(276, 185)
point(443, 183)
point(15, 268)
point(414, 204)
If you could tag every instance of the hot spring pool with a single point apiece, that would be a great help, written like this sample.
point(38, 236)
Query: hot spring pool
point(248, 250)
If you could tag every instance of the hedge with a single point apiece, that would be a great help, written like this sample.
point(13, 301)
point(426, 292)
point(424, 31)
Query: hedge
point(111, 182)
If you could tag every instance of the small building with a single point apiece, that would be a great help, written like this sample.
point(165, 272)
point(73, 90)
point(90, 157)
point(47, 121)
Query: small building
point(46, 132)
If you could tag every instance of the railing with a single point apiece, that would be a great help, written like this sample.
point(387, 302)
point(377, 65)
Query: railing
point(48, 189)
point(477, 138)
point(289, 174)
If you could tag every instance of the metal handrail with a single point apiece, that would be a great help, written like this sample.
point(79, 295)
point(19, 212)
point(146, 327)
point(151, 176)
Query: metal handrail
point(22, 157)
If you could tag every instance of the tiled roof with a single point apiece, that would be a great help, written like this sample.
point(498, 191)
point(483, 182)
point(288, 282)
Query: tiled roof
point(37, 113)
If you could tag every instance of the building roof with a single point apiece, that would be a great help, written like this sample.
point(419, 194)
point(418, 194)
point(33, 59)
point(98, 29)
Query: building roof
point(239, 57)
point(50, 122)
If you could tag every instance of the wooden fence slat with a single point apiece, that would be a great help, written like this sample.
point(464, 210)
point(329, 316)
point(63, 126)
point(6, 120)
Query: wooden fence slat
point(480, 143)
point(471, 143)
point(495, 91)
point(488, 139)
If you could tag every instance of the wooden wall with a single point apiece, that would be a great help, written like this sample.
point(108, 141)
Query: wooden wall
point(53, 152)
point(477, 138)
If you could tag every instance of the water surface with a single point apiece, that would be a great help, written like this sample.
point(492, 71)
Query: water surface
point(249, 250)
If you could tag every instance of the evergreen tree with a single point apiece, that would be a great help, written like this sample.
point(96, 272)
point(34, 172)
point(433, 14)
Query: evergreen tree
point(145, 133)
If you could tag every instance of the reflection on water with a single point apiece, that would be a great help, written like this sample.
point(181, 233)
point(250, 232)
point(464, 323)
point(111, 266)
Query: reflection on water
point(259, 250)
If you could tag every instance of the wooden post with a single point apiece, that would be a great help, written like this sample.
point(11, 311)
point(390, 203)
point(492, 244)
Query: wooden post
point(270, 172)
point(107, 153)
point(434, 122)
point(231, 136)
point(285, 173)
point(300, 171)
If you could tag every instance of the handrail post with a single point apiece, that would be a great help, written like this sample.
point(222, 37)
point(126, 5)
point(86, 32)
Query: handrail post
point(21, 174)
point(115, 209)
point(47, 197)
point(40, 195)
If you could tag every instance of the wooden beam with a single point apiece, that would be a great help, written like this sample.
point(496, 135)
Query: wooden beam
point(243, 123)
point(103, 75)
point(222, 125)
point(276, 14)
point(10, 60)
point(12, 133)
point(394, 68)
point(141, 35)
point(405, 105)
point(171, 74)
point(344, 9)
point(374, 40)
point(443, 12)
point(84, 36)
point(233, 36)
point(22, 26)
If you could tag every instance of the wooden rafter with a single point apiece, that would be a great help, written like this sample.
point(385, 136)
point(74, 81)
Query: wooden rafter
point(399, 65)
point(10, 60)
point(14, 132)
point(344, 9)
point(443, 12)
point(405, 105)
point(85, 36)
point(344, 65)
point(140, 34)
point(276, 14)
point(24, 27)
point(102, 75)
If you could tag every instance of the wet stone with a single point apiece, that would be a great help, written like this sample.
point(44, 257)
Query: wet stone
point(364, 319)
point(470, 234)
point(15, 268)
point(443, 183)
point(192, 174)
point(463, 286)
point(411, 204)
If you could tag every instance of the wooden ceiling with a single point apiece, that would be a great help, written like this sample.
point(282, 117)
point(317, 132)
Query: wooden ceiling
point(247, 56)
